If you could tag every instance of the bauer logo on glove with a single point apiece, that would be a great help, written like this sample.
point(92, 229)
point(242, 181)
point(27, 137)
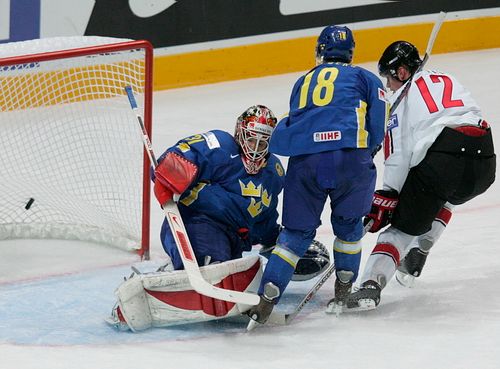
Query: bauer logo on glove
point(383, 205)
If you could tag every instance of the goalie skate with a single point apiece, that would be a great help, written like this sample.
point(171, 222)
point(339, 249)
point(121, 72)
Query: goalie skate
point(115, 321)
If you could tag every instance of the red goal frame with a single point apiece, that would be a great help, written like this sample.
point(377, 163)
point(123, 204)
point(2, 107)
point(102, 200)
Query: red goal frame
point(144, 251)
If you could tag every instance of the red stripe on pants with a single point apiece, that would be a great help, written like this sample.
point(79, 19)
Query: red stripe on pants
point(388, 250)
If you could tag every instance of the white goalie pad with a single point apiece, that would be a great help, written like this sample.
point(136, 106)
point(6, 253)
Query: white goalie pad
point(160, 299)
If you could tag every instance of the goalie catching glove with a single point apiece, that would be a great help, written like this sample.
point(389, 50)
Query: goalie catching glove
point(383, 205)
point(173, 175)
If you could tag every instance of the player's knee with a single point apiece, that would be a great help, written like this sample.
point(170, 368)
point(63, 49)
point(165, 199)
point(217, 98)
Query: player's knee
point(348, 229)
point(296, 241)
point(396, 237)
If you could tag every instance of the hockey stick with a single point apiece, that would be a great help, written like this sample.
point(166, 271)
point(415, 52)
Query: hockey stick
point(430, 45)
point(287, 318)
point(182, 242)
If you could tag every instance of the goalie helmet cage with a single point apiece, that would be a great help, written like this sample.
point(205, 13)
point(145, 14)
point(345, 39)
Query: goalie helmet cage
point(72, 162)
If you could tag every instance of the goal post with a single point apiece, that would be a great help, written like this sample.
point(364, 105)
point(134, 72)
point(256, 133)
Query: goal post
point(72, 162)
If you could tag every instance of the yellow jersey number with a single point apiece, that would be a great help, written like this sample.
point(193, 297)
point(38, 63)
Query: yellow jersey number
point(184, 145)
point(323, 90)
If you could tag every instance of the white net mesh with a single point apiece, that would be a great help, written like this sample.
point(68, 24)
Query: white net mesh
point(71, 157)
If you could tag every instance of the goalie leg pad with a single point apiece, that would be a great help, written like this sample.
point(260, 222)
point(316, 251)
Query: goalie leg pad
point(167, 298)
point(133, 306)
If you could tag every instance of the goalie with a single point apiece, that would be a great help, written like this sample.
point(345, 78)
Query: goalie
point(228, 187)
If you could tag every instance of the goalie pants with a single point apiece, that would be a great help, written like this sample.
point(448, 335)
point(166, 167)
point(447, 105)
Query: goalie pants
point(207, 238)
point(456, 168)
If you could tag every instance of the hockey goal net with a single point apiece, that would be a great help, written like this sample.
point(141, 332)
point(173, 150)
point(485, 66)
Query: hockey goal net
point(72, 163)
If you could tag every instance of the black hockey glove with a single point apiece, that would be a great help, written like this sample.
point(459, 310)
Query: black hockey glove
point(383, 204)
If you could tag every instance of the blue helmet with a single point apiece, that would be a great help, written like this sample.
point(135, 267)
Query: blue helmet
point(335, 43)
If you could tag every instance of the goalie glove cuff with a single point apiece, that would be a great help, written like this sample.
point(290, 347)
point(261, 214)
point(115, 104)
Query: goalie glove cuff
point(162, 193)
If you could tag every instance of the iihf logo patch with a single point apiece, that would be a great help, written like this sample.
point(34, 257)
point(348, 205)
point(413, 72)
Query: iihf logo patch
point(392, 122)
point(327, 136)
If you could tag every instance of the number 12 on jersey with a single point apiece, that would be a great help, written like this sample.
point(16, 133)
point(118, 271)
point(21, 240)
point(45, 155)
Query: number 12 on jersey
point(446, 99)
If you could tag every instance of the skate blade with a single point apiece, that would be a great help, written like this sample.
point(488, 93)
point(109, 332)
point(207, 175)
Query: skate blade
point(252, 324)
point(363, 305)
point(405, 280)
point(274, 319)
point(333, 308)
point(116, 324)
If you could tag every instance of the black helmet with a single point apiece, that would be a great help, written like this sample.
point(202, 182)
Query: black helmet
point(397, 54)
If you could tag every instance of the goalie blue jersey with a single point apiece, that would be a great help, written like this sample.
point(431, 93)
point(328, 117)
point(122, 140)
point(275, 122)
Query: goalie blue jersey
point(224, 193)
point(334, 106)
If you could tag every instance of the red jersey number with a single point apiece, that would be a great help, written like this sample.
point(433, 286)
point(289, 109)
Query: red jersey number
point(446, 99)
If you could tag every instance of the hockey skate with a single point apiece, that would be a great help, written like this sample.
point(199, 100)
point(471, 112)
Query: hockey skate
point(260, 313)
point(116, 320)
point(367, 297)
point(343, 286)
point(411, 267)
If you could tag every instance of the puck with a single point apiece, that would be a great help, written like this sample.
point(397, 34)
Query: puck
point(29, 203)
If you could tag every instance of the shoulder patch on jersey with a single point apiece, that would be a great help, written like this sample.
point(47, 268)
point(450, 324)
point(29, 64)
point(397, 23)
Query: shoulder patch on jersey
point(212, 141)
point(392, 122)
point(382, 95)
point(327, 136)
point(279, 170)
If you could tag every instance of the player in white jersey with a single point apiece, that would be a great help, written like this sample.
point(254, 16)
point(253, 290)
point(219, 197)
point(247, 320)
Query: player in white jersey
point(438, 153)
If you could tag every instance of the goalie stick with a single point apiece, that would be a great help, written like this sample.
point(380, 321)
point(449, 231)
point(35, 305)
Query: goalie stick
point(430, 45)
point(182, 242)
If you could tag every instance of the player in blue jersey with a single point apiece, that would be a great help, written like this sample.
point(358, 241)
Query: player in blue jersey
point(229, 190)
point(335, 124)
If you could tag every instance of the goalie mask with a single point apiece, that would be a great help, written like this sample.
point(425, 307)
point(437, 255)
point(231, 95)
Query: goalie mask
point(253, 131)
